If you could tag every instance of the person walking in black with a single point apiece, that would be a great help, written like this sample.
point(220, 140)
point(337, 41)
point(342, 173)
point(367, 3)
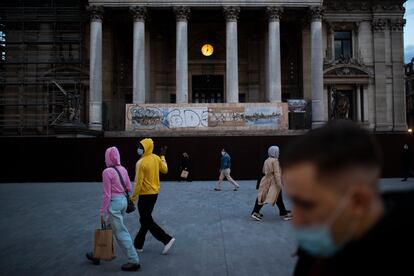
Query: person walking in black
point(185, 173)
point(407, 162)
point(147, 188)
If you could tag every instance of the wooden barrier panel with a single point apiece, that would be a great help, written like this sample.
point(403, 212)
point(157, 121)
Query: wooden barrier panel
point(169, 117)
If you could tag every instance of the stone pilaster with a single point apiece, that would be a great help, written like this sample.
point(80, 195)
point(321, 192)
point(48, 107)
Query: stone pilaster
point(397, 60)
point(379, 26)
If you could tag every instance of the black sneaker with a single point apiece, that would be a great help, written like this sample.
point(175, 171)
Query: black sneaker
point(256, 216)
point(130, 267)
point(91, 258)
point(288, 216)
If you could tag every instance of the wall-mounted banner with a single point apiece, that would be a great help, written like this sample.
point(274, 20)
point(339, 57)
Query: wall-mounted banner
point(297, 105)
point(204, 116)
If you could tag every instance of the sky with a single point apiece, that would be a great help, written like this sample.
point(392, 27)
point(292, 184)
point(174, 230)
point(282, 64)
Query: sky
point(409, 31)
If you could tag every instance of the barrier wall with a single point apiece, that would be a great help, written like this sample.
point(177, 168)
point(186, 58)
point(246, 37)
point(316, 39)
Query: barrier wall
point(82, 159)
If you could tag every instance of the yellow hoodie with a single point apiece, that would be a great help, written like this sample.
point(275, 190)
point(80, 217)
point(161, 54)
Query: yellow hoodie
point(147, 169)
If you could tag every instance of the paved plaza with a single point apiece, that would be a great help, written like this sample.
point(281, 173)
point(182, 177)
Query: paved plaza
point(46, 229)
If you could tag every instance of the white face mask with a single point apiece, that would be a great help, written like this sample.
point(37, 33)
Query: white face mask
point(223, 153)
point(140, 151)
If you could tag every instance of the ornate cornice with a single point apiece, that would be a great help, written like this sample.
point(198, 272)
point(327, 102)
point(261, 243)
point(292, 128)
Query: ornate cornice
point(347, 6)
point(376, 6)
point(231, 13)
point(388, 7)
point(138, 13)
point(182, 13)
point(379, 24)
point(316, 12)
point(96, 12)
point(397, 24)
point(274, 13)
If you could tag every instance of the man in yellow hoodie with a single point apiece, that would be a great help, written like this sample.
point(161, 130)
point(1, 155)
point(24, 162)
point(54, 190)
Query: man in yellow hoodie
point(147, 187)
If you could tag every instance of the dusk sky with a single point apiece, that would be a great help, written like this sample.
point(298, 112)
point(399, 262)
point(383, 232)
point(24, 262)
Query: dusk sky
point(409, 31)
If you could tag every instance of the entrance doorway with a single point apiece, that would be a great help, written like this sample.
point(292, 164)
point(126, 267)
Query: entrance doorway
point(208, 89)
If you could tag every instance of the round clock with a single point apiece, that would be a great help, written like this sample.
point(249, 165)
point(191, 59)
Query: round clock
point(207, 50)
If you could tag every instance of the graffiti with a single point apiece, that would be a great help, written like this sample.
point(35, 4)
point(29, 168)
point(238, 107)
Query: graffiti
point(145, 117)
point(187, 118)
point(233, 116)
point(152, 117)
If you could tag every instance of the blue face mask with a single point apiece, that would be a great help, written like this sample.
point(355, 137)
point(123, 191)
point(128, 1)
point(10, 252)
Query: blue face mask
point(140, 151)
point(317, 239)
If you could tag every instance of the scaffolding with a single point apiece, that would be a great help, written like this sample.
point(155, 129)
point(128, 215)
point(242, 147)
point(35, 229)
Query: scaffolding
point(42, 54)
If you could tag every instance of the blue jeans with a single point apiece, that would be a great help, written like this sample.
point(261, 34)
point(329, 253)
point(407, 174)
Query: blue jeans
point(117, 209)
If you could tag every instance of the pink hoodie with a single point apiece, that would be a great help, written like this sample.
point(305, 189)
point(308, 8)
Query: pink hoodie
point(112, 186)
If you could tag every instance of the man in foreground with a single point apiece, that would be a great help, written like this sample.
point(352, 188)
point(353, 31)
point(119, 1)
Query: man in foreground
point(342, 224)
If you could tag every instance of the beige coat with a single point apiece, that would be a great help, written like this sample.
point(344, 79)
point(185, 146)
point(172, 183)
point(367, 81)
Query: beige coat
point(271, 183)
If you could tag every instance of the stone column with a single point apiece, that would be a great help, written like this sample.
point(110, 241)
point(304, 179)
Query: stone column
point(397, 59)
point(274, 69)
point(95, 75)
point(138, 64)
point(181, 14)
point(381, 121)
point(232, 69)
point(318, 107)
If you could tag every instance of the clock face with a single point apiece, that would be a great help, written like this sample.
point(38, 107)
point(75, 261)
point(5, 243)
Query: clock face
point(207, 50)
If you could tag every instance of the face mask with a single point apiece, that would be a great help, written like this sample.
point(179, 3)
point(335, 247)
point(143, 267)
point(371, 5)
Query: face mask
point(223, 153)
point(316, 239)
point(140, 151)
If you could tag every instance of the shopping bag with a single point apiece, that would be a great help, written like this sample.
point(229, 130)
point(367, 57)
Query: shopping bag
point(103, 248)
point(184, 174)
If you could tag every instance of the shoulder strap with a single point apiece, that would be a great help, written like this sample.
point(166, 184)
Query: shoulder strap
point(121, 179)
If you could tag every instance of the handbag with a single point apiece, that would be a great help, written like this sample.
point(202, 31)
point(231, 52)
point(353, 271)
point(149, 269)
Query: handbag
point(103, 245)
point(131, 207)
point(184, 174)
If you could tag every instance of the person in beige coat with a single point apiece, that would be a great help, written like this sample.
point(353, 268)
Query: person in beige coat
point(270, 188)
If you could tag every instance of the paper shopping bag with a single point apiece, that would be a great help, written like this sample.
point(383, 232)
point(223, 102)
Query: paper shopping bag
point(184, 174)
point(103, 248)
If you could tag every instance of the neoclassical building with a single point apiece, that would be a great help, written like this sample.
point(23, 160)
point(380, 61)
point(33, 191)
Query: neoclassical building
point(192, 65)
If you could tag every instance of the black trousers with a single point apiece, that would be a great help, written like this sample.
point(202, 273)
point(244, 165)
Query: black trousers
point(146, 205)
point(407, 172)
point(279, 203)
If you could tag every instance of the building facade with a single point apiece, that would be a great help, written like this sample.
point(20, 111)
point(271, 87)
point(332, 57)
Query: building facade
point(409, 90)
point(81, 64)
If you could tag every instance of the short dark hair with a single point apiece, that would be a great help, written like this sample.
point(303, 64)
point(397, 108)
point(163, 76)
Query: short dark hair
point(338, 145)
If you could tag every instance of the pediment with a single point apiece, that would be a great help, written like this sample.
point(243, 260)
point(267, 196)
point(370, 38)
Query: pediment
point(346, 71)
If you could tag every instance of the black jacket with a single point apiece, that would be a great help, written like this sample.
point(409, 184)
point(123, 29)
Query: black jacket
point(384, 250)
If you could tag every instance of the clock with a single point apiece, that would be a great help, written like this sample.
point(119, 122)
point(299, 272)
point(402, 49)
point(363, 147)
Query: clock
point(207, 50)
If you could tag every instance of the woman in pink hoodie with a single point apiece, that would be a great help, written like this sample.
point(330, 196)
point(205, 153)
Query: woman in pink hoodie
point(114, 204)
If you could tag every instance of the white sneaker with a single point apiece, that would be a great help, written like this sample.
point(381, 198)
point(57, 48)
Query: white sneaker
point(168, 246)
point(140, 250)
